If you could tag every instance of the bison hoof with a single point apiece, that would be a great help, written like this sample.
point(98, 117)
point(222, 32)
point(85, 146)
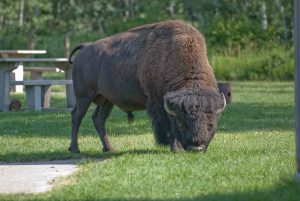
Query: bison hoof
point(74, 150)
point(110, 149)
point(176, 150)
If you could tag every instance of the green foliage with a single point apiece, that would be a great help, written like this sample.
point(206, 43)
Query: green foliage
point(224, 22)
point(264, 64)
point(232, 28)
point(252, 156)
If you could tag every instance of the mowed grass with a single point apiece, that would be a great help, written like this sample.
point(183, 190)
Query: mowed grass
point(252, 156)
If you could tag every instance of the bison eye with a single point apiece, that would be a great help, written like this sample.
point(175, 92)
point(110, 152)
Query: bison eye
point(210, 127)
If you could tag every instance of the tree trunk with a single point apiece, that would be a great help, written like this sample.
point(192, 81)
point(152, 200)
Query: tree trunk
point(21, 15)
point(170, 9)
point(1, 22)
point(101, 26)
point(283, 21)
point(264, 18)
point(67, 45)
point(31, 41)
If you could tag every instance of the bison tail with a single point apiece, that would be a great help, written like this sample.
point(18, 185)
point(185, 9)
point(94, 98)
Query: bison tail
point(78, 47)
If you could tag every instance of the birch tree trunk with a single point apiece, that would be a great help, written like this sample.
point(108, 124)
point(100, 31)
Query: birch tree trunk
point(264, 18)
point(21, 15)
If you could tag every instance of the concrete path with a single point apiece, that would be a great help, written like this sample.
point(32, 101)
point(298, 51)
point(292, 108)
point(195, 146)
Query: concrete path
point(35, 177)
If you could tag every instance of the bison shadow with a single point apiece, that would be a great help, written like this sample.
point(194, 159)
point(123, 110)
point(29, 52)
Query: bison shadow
point(44, 156)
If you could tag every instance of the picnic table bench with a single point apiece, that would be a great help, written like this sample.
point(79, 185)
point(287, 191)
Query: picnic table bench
point(18, 73)
point(36, 73)
point(9, 64)
point(38, 92)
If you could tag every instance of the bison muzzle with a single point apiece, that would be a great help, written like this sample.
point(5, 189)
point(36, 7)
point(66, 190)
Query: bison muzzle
point(161, 67)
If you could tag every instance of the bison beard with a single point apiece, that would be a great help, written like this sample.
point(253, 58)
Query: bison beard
point(160, 67)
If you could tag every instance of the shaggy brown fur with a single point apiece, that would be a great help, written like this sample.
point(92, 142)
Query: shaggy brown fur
point(135, 70)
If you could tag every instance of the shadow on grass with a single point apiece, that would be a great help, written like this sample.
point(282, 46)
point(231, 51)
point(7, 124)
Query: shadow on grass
point(287, 191)
point(34, 156)
point(242, 117)
point(45, 156)
point(238, 117)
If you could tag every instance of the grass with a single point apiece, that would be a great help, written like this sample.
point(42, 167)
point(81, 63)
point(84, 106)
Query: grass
point(252, 156)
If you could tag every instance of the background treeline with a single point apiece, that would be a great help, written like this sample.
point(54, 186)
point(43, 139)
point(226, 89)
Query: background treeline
point(247, 39)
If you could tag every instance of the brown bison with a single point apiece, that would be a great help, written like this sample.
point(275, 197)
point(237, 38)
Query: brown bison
point(160, 67)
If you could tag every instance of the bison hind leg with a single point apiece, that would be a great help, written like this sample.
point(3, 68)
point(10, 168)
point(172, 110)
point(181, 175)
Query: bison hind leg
point(79, 111)
point(99, 118)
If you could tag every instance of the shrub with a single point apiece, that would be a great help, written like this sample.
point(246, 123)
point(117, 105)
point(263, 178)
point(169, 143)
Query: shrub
point(266, 64)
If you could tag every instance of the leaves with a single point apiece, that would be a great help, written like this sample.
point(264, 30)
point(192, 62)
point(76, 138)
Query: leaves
point(225, 23)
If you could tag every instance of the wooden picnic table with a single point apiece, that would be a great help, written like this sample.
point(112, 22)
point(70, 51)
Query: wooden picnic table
point(36, 73)
point(19, 72)
point(7, 65)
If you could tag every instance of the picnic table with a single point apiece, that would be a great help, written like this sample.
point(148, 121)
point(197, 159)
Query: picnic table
point(7, 65)
point(19, 72)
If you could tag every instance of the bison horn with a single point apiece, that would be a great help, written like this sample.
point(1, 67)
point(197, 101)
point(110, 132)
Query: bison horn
point(224, 100)
point(168, 109)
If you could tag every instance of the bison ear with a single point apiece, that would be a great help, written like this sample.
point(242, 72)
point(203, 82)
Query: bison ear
point(169, 105)
point(214, 101)
point(223, 104)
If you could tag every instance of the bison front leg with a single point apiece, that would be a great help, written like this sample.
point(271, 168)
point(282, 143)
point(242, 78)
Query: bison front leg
point(175, 145)
point(160, 123)
point(99, 119)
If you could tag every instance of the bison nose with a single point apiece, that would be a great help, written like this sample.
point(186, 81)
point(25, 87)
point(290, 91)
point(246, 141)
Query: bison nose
point(199, 148)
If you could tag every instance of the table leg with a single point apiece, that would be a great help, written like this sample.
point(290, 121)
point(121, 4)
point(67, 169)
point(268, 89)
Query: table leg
point(5, 86)
point(46, 94)
point(4, 91)
point(71, 100)
point(34, 96)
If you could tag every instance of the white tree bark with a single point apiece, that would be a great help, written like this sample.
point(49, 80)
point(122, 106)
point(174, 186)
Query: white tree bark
point(21, 16)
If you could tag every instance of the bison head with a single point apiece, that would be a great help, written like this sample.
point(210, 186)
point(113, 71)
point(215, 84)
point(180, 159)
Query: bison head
point(194, 116)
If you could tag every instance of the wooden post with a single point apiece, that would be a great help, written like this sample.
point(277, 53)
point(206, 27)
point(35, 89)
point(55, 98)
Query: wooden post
point(297, 82)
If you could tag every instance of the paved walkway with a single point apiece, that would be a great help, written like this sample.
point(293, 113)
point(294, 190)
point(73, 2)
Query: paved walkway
point(35, 177)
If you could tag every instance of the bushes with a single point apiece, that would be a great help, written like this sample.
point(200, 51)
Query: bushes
point(266, 64)
point(273, 63)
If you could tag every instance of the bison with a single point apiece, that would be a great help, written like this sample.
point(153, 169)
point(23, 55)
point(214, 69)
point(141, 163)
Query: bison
point(161, 67)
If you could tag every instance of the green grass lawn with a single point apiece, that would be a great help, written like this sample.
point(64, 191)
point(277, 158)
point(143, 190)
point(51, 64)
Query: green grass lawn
point(252, 156)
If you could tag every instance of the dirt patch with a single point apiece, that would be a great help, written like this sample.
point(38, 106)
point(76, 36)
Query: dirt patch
point(35, 177)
